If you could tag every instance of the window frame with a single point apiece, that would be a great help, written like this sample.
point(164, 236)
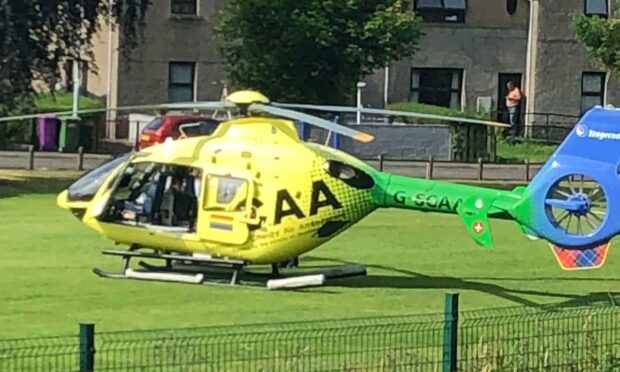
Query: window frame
point(191, 85)
point(439, 15)
point(178, 4)
point(601, 93)
point(585, 9)
point(459, 90)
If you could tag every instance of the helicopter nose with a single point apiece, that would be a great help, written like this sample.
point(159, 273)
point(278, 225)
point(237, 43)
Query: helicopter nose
point(62, 199)
point(77, 208)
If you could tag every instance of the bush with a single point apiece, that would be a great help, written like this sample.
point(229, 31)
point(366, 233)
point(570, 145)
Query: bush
point(63, 101)
point(22, 131)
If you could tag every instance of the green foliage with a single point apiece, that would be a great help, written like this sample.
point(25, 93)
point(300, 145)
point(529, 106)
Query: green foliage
point(313, 51)
point(63, 101)
point(518, 152)
point(21, 131)
point(38, 36)
point(601, 38)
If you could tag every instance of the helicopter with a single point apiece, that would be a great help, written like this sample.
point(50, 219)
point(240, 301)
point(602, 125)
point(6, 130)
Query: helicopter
point(253, 193)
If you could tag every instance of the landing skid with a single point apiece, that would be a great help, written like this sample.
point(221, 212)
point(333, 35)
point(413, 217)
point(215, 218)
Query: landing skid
point(213, 271)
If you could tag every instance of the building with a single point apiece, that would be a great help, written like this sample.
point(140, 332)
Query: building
point(470, 50)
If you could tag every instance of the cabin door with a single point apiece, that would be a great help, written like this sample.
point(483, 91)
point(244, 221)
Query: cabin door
point(226, 211)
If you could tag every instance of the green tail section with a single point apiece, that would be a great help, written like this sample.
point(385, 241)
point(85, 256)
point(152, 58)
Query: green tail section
point(474, 212)
point(475, 205)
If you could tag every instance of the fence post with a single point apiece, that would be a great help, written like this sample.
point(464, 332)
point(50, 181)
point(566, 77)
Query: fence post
point(80, 159)
point(137, 142)
point(381, 162)
point(480, 169)
point(87, 347)
point(527, 170)
point(429, 168)
point(30, 157)
point(450, 332)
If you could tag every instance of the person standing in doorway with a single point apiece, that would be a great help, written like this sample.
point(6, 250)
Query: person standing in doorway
point(513, 103)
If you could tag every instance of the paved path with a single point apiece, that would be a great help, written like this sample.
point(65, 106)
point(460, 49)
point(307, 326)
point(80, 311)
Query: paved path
point(441, 170)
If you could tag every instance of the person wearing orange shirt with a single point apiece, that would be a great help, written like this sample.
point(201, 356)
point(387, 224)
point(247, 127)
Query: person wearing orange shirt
point(513, 100)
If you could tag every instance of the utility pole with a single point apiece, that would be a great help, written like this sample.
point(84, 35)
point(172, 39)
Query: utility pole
point(76, 87)
point(360, 86)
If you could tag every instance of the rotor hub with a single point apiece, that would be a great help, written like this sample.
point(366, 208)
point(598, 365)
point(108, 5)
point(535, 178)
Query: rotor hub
point(246, 97)
point(579, 204)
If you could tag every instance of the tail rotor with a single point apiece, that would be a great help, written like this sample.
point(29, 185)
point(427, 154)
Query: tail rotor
point(573, 198)
point(577, 204)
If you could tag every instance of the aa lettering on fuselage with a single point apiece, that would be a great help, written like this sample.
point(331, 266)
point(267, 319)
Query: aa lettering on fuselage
point(429, 201)
point(321, 197)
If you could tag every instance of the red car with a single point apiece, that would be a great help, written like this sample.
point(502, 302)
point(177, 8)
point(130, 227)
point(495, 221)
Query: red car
point(162, 127)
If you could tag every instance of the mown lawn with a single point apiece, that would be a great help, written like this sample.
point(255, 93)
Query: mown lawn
point(47, 287)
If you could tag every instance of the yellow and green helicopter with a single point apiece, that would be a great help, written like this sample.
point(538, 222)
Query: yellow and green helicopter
point(252, 192)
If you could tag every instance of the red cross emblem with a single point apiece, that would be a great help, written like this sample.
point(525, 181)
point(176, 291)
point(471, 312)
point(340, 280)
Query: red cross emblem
point(478, 227)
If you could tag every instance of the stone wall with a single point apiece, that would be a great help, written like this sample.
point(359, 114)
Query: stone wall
point(396, 141)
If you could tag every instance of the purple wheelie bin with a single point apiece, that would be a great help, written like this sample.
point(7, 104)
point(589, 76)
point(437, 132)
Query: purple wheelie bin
point(48, 133)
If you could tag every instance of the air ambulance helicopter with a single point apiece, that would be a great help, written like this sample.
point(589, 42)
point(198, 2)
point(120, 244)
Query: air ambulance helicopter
point(253, 193)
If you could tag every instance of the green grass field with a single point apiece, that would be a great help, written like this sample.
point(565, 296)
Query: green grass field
point(47, 287)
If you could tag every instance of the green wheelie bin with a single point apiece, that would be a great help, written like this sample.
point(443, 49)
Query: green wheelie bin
point(69, 136)
point(87, 132)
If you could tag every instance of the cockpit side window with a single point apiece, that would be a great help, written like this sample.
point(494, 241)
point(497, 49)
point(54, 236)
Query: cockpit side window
point(85, 188)
point(225, 193)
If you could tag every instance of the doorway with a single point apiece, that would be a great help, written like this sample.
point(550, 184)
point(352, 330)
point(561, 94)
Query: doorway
point(158, 195)
point(502, 92)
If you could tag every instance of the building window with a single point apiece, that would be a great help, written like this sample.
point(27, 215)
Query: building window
point(596, 7)
point(511, 6)
point(437, 86)
point(183, 7)
point(441, 10)
point(181, 81)
point(592, 90)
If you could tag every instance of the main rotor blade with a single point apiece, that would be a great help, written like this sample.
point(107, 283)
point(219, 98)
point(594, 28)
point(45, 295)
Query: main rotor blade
point(313, 120)
point(372, 111)
point(206, 105)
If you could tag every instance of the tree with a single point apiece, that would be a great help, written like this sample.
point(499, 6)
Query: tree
point(601, 38)
point(313, 50)
point(37, 36)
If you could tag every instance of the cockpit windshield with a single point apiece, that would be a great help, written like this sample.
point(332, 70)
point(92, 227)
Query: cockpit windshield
point(85, 188)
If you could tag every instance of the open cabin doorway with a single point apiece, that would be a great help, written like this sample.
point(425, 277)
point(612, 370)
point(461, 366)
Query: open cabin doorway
point(158, 195)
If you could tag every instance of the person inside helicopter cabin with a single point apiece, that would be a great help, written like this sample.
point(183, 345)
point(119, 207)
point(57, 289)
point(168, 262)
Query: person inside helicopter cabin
point(143, 204)
point(183, 187)
point(195, 186)
point(196, 176)
point(513, 103)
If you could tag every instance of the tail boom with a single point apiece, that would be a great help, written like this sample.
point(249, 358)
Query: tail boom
point(475, 205)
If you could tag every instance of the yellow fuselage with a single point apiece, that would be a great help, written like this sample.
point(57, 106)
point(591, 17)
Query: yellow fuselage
point(290, 202)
